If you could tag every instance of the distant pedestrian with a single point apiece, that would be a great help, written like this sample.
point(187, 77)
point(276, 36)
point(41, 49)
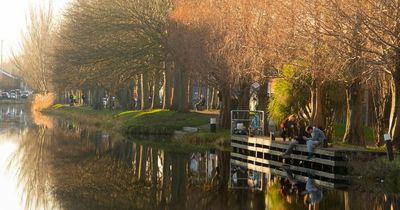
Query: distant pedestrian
point(201, 104)
point(83, 99)
point(71, 100)
point(220, 104)
point(74, 98)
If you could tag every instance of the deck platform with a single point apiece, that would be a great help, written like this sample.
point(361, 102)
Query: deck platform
point(329, 165)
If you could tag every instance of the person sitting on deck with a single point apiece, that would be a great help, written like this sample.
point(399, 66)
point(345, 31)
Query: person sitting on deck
point(300, 139)
point(288, 127)
point(317, 138)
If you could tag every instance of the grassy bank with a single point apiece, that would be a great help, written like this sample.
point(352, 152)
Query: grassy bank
point(382, 175)
point(150, 122)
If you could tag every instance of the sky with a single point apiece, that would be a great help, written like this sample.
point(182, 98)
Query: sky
point(13, 15)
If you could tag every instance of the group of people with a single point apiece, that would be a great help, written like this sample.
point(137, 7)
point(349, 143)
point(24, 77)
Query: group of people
point(73, 99)
point(299, 133)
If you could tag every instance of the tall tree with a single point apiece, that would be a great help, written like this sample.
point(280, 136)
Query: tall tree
point(382, 19)
point(34, 62)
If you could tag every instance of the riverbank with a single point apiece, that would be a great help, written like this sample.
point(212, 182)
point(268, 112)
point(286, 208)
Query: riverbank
point(150, 122)
point(382, 175)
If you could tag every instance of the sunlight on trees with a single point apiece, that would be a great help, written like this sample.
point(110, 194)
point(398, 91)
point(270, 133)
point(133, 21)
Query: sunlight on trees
point(155, 53)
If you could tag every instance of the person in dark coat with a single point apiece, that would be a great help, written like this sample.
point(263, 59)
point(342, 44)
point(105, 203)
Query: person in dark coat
point(301, 138)
point(289, 127)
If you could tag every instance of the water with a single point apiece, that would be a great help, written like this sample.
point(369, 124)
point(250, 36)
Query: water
point(53, 164)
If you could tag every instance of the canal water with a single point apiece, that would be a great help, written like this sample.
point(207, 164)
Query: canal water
point(48, 163)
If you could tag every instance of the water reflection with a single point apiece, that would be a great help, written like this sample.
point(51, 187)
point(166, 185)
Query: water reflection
point(61, 165)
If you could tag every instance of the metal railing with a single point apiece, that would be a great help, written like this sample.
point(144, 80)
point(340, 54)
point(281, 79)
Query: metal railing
point(246, 122)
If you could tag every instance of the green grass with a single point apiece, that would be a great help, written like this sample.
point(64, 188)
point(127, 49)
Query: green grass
point(340, 129)
point(147, 122)
point(163, 120)
point(192, 142)
point(382, 175)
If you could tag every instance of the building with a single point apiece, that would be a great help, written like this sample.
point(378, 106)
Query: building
point(9, 81)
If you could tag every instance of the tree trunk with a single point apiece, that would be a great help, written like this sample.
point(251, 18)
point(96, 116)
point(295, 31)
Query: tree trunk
point(183, 97)
point(179, 181)
point(165, 178)
point(394, 124)
point(208, 104)
point(317, 117)
point(263, 98)
point(189, 95)
point(225, 111)
point(156, 91)
point(123, 95)
point(98, 95)
point(211, 99)
point(143, 163)
point(139, 92)
point(145, 92)
point(177, 82)
point(154, 182)
point(168, 88)
point(354, 133)
point(179, 102)
point(244, 96)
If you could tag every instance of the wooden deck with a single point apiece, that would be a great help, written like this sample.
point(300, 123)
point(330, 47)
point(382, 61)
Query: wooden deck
point(329, 165)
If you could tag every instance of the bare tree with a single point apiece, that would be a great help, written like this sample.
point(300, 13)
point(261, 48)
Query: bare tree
point(34, 61)
point(382, 19)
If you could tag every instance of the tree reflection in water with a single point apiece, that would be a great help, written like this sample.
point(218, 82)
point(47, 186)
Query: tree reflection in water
point(70, 167)
point(34, 176)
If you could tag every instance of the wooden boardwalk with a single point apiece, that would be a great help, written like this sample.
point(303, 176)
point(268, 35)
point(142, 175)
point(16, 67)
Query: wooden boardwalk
point(329, 165)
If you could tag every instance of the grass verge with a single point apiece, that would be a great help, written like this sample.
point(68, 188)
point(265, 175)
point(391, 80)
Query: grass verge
point(382, 175)
point(149, 122)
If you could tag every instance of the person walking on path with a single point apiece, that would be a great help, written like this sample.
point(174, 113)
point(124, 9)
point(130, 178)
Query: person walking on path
point(300, 139)
point(317, 138)
point(288, 127)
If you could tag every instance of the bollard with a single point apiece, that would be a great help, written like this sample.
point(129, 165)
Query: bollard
point(389, 146)
point(213, 125)
point(272, 135)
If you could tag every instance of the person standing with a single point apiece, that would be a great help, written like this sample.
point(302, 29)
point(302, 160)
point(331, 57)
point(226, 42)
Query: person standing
point(71, 100)
point(83, 99)
point(317, 138)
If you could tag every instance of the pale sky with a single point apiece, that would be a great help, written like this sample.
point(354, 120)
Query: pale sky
point(13, 15)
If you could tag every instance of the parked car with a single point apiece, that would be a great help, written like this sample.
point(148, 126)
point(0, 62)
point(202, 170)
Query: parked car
point(24, 94)
point(13, 95)
point(5, 95)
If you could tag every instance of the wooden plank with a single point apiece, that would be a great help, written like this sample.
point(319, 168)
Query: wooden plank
point(256, 149)
point(292, 156)
point(280, 145)
point(284, 174)
point(297, 168)
point(331, 151)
